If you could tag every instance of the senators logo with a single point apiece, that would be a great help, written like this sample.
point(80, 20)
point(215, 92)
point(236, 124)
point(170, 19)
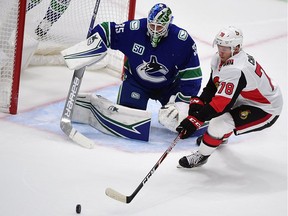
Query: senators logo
point(216, 81)
point(244, 114)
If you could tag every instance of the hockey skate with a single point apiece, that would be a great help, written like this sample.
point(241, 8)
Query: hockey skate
point(194, 160)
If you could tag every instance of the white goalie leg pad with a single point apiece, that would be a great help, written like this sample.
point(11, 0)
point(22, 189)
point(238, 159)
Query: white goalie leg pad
point(111, 118)
point(171, 115)
point(85, 53)
point(82, 113)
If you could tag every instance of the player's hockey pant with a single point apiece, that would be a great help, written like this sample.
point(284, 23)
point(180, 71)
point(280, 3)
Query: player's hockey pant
point(241, 120)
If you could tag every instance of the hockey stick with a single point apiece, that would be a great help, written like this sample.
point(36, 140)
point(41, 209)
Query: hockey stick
point(127, 199)
point(65, 123)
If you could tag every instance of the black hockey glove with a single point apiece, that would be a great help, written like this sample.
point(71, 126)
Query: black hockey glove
point(196, 104)
point(188, 126)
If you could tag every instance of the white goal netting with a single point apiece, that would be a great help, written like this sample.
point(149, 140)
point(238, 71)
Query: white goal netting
point(71, 28)
point(50, 27)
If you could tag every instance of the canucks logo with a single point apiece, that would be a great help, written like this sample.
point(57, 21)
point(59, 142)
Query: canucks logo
point(91, 39)
point(152, 71)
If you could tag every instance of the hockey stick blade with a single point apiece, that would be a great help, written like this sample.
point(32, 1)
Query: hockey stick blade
point(117, 196)
point(75, 135)
point(127, 199)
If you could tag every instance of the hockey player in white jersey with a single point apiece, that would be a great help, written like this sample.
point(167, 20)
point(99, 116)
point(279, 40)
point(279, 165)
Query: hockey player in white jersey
point(239, 97)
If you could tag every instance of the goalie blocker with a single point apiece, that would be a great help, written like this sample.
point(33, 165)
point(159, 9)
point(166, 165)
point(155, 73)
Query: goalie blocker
point(111, 118)
point(85, 53)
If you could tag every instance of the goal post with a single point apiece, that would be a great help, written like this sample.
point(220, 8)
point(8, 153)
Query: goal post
point(11, 25)
point(49, 26)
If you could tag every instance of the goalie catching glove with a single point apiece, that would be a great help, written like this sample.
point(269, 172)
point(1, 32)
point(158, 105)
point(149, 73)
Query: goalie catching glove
point(172, 114)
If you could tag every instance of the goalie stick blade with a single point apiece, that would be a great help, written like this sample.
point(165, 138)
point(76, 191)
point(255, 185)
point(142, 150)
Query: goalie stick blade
point(81, 139)
point(75, 135)
point(117, 196)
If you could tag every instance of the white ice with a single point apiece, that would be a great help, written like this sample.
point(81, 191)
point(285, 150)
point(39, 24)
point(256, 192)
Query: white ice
point(43, 173)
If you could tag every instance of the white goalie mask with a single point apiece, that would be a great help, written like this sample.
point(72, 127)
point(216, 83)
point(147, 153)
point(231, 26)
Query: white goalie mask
point(229, 37)
point(158, 21)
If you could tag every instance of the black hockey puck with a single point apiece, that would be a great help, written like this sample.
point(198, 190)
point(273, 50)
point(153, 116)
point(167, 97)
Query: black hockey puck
point(78, 208)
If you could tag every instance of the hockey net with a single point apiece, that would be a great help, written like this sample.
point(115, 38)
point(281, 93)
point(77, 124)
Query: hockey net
point(50, 27)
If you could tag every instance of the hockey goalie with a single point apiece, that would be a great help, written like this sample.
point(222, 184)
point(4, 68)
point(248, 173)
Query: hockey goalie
point(162, 64)
point(109, 117)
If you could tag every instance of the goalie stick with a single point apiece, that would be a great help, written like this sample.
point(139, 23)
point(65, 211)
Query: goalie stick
point(65, 122)
point(127, 199)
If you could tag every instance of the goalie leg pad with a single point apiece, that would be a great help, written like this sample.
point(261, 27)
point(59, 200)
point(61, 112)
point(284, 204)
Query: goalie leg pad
point(111, 118)
point(82, 113)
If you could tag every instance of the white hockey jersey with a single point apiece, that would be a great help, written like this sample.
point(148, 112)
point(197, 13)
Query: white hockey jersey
point(243, 80)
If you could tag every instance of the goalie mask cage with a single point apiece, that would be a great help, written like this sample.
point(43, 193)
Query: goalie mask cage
point(68, 23)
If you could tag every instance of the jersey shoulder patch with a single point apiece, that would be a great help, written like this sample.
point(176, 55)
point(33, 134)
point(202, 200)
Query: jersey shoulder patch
point(180, 33)
point(134, 25)
point(183, 35)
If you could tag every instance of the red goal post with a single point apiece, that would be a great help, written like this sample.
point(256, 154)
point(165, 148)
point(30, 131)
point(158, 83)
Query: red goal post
point(67, 22)
point(12, 20)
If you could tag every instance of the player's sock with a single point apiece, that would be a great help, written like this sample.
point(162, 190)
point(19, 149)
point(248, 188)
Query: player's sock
point(199, 139)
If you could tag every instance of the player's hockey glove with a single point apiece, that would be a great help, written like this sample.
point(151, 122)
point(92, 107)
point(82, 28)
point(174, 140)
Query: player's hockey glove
point(196, 104)
point(188, 126)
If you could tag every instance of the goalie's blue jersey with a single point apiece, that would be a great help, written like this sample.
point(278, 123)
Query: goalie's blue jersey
point(174, 60)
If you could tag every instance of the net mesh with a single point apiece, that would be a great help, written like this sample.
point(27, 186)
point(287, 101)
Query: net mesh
point(69, 25)
point(50, 27)
point(8, 21)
